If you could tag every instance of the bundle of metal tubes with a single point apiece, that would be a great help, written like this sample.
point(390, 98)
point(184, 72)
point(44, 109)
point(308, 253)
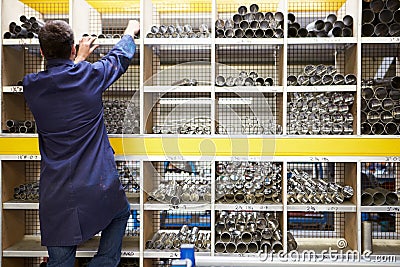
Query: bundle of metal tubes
point(28, 191)
point(178, 31)
point(121, 116)
point(380, 106)
point(185, 82)
point(379, 196)
point(249, 232)
point(329, 26)
point(243, 79)
point(192, 189)
point(15, 126)
point(320, 113)
point(380, 18)
point(248, 182)
point(129, 180)
point(321, 75)
point(169, 240)
point(251, 24)
point(28, 29)
point(191, 126)
point(303, 188)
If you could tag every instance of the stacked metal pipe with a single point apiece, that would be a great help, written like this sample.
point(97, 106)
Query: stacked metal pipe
point(129, 180)
point(121, 116)
point(185, 82)
point(249, 232)
point(380, 18)
point(250, 126)
point(251, 24)
point(243, 79)
point(379, 196)
point(191, 190)
point(28, 191)
point(320, 113)
point(28, 29)
point(329, 26)
point(248, 182)
point(303, 188)
point(191, 126)
point(168, 240)
point(321, 75)
point(15, 126)
point(178, 31)
point(380, 106)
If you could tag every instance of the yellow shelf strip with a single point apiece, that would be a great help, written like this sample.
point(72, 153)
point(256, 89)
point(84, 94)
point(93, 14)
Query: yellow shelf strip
point(281, 146)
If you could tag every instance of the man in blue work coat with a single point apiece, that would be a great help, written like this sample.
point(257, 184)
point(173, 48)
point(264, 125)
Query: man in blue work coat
point(80, 193)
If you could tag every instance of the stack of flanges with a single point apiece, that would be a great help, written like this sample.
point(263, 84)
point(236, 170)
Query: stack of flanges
point(249, 232)
point(15, 126)
point(379, 196)
point(329, 26)
point(253, 24)
point(121, 116)
point(248, 182)
point(320, 113)
point(198, 125)
point(380, 106)
point(191, 190)
point(178, 31)
point(129, 179)
point(380, 18)
point(169, 240)
point(303, 188)
point(251, 126)
point(28, 29)
point(321, 75)
point(243, 79)
point(28, 191)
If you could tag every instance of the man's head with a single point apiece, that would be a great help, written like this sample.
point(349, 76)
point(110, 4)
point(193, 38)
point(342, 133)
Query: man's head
point(56, 40)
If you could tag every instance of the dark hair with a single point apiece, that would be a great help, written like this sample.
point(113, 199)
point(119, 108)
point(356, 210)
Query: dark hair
point(56, 39)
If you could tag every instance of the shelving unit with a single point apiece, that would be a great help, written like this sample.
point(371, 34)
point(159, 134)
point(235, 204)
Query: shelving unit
point(171, 108)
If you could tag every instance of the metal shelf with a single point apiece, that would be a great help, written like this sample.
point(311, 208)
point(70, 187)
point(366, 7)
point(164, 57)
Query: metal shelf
point(30, 246)
point(171, 254)
point(176, 89)
point(323, 88)
point(347, 206)
point(249, 41)
point(177, 41)
point(249, 89)
point(395, 209)
point(323, 40)
point(10, 42)
point(198, 206)
point(380, 40)
point(250, 207)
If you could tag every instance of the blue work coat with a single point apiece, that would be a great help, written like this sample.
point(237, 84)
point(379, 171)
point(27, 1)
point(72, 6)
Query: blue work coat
point(80, 192)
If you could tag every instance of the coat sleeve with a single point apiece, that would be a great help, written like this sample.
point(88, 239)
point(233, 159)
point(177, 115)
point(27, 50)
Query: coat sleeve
point(115, 63)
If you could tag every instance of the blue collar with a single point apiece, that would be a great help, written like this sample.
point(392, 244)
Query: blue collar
point(59, 62)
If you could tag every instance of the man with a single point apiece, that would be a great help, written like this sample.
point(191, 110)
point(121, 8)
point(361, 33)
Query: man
point(80, 193)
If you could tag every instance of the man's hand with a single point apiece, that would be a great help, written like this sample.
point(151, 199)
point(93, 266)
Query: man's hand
point(85, 48)
point(133, 28)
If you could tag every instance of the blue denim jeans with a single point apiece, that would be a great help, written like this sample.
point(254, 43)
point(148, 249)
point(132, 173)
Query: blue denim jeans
point(109, 252)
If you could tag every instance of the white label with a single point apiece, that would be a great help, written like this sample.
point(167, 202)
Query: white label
point(27, 157)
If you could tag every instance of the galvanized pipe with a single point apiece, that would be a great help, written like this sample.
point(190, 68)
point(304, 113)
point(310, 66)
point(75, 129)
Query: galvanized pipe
point(381, 30)
point(386, 16)
point(368, 16)
point(367, 29)
point(366, 241)
point(394, 30)
point(376, 5)
point(377, 128)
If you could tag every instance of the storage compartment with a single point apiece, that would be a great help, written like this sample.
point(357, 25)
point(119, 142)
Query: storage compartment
point(322, 18)
point(249, 114)
point(249, 19)
point(177, 19)
point(380, 109)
